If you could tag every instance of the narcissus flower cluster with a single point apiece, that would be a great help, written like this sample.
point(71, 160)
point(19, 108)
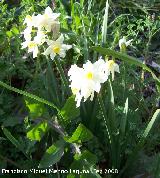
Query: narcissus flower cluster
point(39, 27)
point(87, 80)
point(44, 29)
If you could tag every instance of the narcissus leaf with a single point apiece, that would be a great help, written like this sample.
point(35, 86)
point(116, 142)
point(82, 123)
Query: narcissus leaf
point(69, 111)
point(81, 134)
point(37, 132)
point(53, 154)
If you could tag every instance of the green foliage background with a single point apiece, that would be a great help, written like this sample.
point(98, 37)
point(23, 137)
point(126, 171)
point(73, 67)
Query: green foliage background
point(36, 133)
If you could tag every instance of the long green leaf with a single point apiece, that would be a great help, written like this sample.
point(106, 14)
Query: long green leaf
point(13, 140)
point(24, 93)
point(113, 126)
point(81, 134)
point(37, 132)
point(84, 161)
point(104, 115)
point(111, 107)
point(69, 111)
point(150, 125)
point(36, 109)
point(127, 58)
point(53, 154)
point(105, 22)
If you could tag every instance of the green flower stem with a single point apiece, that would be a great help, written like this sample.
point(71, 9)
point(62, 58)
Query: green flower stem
point(124, 79)
point(86, 52)
point(123, 50)
point(38, 66)
point(62, 74)
point(108, 129)
point(97, 38)
point(100, 101)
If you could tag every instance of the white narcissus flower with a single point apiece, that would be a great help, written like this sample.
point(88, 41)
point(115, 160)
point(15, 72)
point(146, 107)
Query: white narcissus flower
point(42, 24)
point(112, 67)
point(87, 80)
point(48, 20)
point(91, 81)
point(32, 47)
point(123, 41)
point(94, 75)
point(57, 48)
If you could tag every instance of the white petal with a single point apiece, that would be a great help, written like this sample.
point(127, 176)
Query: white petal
point(62, 53)
point(48, 11)
point(92, 96)
point(60, 39)
point(52, 55)
point(66, 47)
point(116, 68)
point(97, 87)
point(112, 71)
point(24, 44)
point(129, 42)
point(47, 51)
point(56, 15)
point(49, 42)
point(35, 52)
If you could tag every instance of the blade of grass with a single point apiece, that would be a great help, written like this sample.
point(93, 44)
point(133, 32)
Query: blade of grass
point(105, 22)
point(102, 107)
point(14, 141)
point(140, 144)
point(122, 134)
point(111, 112)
